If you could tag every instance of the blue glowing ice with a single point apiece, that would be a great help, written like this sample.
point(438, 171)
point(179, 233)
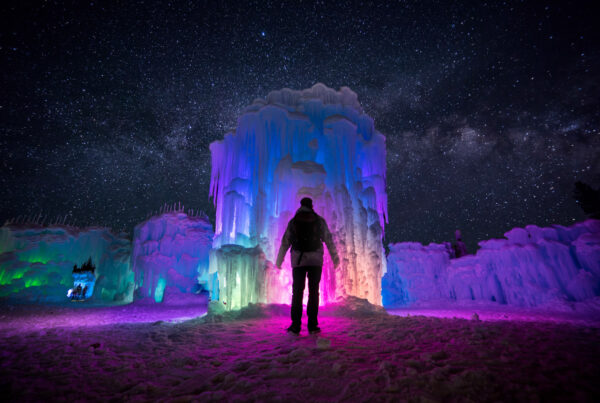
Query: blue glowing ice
point(533, 267)
point(170, 253)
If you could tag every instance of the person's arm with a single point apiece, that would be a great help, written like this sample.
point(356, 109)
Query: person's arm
point(285, 245)
point(328, 239)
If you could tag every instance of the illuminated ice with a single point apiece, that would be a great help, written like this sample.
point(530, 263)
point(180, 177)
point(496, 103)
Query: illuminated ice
point(241, 275)
point(170, 254)
point(36, 262)
point(533, 267)
point(314, 143)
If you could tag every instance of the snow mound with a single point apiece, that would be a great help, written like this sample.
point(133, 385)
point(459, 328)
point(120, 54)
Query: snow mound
point(296, 99)
point(217, 312)
point(350, 307)
point(353, 307)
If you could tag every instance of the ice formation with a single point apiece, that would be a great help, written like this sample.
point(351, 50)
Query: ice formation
point(170, 252)
point(241, 275)
point(532, 267)
point(84, 281)
point(314, 143)
point(36, 262)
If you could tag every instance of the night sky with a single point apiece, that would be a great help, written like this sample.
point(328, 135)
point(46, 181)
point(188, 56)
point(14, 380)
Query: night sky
point(491, 110)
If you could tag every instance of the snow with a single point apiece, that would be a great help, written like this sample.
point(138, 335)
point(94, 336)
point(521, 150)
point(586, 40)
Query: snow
point(554, 268)
point(313, 143)
point(146, 352)
point(36, 262)
point(171, 252)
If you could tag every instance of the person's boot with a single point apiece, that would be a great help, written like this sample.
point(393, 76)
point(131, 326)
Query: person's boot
point(314, 330)
point(294, 329)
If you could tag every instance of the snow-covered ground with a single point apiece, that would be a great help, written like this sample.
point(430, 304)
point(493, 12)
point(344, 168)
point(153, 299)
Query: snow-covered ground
point(151, 352)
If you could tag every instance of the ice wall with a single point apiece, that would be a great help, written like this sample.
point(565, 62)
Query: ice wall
point(36, 262)
point(532, 267)
point(314, 143)
point(171, 252)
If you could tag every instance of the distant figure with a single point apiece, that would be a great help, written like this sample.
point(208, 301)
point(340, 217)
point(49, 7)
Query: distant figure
point(306, 233)
point(459, 246)
point(76, 292)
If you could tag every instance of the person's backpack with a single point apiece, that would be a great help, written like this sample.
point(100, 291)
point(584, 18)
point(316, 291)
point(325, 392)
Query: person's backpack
point(306, 235)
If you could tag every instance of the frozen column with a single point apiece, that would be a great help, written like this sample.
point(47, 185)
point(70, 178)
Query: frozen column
point(313, 143)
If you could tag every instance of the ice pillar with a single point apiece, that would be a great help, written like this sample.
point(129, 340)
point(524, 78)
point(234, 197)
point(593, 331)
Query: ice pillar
point(314, 143)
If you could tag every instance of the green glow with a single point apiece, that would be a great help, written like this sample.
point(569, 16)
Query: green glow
point(160, 290)
point(38, 259)
point(34, 282)
point(6, 277)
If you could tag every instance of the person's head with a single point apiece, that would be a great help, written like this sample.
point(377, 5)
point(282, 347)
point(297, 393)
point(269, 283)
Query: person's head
point(306, 202)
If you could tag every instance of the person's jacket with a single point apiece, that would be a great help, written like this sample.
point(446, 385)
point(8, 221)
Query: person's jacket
point(312, 258)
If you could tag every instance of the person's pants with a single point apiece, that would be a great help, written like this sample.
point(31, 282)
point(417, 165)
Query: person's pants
point(312, 309)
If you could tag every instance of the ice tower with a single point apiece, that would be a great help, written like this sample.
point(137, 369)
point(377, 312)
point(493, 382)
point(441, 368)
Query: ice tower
point(314, 143)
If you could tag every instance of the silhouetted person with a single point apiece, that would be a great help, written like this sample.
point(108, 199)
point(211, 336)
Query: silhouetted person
point(77, 292)
point(306, 233)
point(460, 249)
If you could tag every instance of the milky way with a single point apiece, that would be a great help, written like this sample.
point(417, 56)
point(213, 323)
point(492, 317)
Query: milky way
point(490, 109)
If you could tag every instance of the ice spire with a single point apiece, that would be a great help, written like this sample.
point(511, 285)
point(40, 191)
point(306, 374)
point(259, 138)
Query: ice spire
point(314, 143)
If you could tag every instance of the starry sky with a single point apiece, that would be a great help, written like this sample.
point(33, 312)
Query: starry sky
point(490, 109)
